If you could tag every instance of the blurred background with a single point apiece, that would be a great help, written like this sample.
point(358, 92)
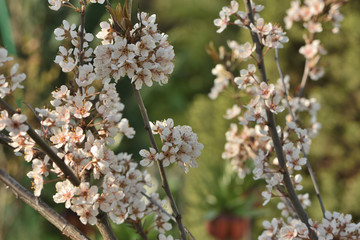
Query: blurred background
point(211, 191)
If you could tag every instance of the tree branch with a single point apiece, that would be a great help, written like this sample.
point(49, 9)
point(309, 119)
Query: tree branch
point(304, 78)
point(165, 212)
point(140, 230)
point(311, 172)
point(274, 135)
point(45, 147)
point(37, 204)
point(164, 180)
point(103, 224)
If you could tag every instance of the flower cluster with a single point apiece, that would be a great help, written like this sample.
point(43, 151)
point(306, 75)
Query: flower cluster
point(119, 195)
point(279, 229)
point(69, 57)
point(241, 20)
point(221, 81)
point(255, 140)
point(56, 4)
point(144, 56)
point(271, 36)
point(333, 226)
point(8, 84)
point(180, 145)
point(313, 13)
point(82, 122)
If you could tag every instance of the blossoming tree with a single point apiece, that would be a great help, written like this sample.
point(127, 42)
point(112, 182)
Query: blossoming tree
point(76, 133)
point(278, 152)
point(73, 141)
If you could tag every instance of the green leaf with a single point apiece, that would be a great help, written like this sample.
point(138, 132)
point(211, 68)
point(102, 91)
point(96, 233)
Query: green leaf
point(5, 28)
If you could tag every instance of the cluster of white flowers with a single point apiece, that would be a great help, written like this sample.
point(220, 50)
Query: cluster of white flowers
point(10, 83)
point(56, 4)
point(81, 127)
point(279, 229)
point(254, 140)
point(180, 145)
point(120, 195)
point(310, 11)
point(221, 81)
point(242, 19)
point(241, 52)
point(68, 57)
point(144, 56)
point(333, 226)
point(271, 36)
point(17, 128)
point(313, 13)
point(82, 123)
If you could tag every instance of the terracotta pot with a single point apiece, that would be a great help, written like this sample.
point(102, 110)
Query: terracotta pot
point(218, 227)
point(228, 227)
point(239, 228)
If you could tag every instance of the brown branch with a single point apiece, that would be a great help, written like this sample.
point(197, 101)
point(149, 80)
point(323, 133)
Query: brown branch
point(164, 180)
point(82, 33)
point(310, 170)
point(274, 135)
point(45, 147)
point(306, 72)
point(165, 212)
point(38, 205)
point(304, 78)
point(140, 230)
point(103, 224)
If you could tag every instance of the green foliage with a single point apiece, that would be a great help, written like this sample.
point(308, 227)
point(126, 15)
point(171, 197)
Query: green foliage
point(5, 29)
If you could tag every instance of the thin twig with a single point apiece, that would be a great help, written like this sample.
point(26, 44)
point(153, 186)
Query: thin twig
point(311, 172)
point(274, 135)
point(81, 34)
point(37, 204)
point(165, 212)
point(304, 78)
point(164, 180)
point(158, 205)
point(33, 111)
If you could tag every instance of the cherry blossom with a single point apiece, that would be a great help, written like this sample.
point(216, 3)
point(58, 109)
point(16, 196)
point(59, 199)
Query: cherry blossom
point(146, 60)
point(247, 77)
point(180, 145)
point(55, 4)
point(4, 56)
point(65, 192)
point(16, 124)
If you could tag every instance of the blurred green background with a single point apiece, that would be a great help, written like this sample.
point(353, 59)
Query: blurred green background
point(189, 24)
